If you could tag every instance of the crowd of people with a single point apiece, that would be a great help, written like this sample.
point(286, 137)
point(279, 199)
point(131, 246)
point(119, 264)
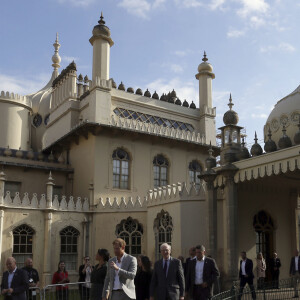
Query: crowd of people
point(124, 277)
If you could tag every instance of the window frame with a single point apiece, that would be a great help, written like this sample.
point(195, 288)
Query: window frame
point(121, 162)
point(160, 167)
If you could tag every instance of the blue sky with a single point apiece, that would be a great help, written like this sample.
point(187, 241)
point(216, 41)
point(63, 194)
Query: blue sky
point(253, 46)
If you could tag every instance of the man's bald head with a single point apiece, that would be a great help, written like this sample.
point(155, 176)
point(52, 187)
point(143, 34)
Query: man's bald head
point(28, 262)
point(10, 264)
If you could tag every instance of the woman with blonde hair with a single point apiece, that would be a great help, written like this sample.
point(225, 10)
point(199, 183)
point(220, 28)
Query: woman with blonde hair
point(261, 270)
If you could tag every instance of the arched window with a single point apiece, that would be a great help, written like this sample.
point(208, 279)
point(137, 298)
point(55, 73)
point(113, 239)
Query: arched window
point(160, 170)
point(69, 247)
point(195, 170)
point(120, 169)
point(264, 227)
point(131, 232)
point(163, 229)
point(22, 246)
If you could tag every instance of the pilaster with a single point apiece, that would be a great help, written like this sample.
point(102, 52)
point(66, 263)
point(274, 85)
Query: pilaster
point(2, 187)
point(47, 249)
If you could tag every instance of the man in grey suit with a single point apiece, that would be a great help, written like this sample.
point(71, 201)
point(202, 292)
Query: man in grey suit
point(167, 281)
point(14, 282)
point(119, 280)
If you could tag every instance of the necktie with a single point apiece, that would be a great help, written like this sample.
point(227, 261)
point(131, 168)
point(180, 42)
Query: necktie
point(166, 267)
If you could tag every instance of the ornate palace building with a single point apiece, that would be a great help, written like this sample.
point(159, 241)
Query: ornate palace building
point(85, 160)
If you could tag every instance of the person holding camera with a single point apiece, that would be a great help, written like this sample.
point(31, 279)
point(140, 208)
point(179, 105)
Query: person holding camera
point(33, 278)
point(85, 271)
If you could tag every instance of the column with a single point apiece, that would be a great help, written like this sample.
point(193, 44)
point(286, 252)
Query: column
point(50, 185)
point(48, 249)
point(1, 232)
point(2, 187)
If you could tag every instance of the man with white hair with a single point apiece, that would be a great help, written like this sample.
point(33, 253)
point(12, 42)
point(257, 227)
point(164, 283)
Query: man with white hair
point(167, 281)
point(14, 281)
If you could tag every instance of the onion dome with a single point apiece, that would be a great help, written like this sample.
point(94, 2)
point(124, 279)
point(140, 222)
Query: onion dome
point(210, 162)
point(19, 153)
point(121, 86)
point(30, 154)
point(230, 117)
point(80, 78)
point(101, 31)
point(185, 103)
point(244, 154)
point(256, 149)
point(147, 94)
point(130, 90)
point(163, 97)
point(205, 66)
point(139, 92)
point(7, 151)
point(178, 102)
point(193, 105)
point(297, 135)
point(155, 96)
point(51, 157)
point(86, 79)
point(113, 83)
point(270, 145)
point(284, 141)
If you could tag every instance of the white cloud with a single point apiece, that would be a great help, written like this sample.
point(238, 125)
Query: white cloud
point(138, 8)
point(181, 53)
point(253, 7)
point(259, 116)
point(234, 33)
point(189, 3)
point(22, 86)
point(257, 22)
point(176, 68)
point(283, 47)
point(68, 59)
point(216, 4)
point(78, 3)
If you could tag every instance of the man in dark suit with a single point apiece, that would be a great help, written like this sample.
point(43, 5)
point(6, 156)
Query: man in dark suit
point(167, 281)
point(246, 275)
point(14, 282)
point(295, 271)
point(192, 253)
point(275, 265)
point(202, 273)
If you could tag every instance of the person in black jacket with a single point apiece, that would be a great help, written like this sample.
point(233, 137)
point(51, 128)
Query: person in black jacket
point(14, 281)
point(275, 265)
point(246, 274)
point(33, 278)
point(295, 271)
point(201, 275)
point(85, 271)
point(142, 279)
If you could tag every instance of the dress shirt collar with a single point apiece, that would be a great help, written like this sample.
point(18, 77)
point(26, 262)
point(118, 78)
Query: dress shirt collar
point(121, 259)
point(201, 259)
point(13, 271)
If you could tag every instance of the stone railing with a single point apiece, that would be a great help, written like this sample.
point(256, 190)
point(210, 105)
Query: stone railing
point(15, 98)
point(155, 129)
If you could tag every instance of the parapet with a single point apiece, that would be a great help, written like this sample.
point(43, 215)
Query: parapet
point(16, 98)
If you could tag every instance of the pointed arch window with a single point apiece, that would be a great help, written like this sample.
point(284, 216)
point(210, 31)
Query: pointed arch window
point(264, 227)
point(22, 244)
point(160, 170)
point(194, 171)
point(121, 161)
point(69, 247)
point(163, 230)
point(131, 231)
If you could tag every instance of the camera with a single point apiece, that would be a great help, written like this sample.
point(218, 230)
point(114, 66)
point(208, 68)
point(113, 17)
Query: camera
point(30, 280)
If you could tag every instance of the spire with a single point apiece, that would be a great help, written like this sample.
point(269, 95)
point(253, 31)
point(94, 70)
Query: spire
point(56, 58)
point(255, 138)
point(204, 57)
point(101, 21)
point(230, 104)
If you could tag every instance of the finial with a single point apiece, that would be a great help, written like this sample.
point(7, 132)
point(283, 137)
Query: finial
point(255, 139)
point(56, 58)
point(204, 57)
point(283, 130)
point(210, 150)
point(243, 142)
point(230, 104)
point(101, 21)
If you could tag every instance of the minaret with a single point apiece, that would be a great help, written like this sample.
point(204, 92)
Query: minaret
point(101, 42)
point(56, 58)
point(207, 111)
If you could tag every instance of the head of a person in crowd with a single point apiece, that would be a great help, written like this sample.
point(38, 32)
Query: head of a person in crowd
point(139, 261)
point(296, 252)
point(102, 256)
point(275, 255)
point(200, 252)
point(165, 250)
point(28, 263)
point(260, 256)
point(119, 247)
point(192, 252)
point(243, 255)
point(11, 264)
point(86, 260)
point(146, 264)
point(181, 258)
point(61, 266)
